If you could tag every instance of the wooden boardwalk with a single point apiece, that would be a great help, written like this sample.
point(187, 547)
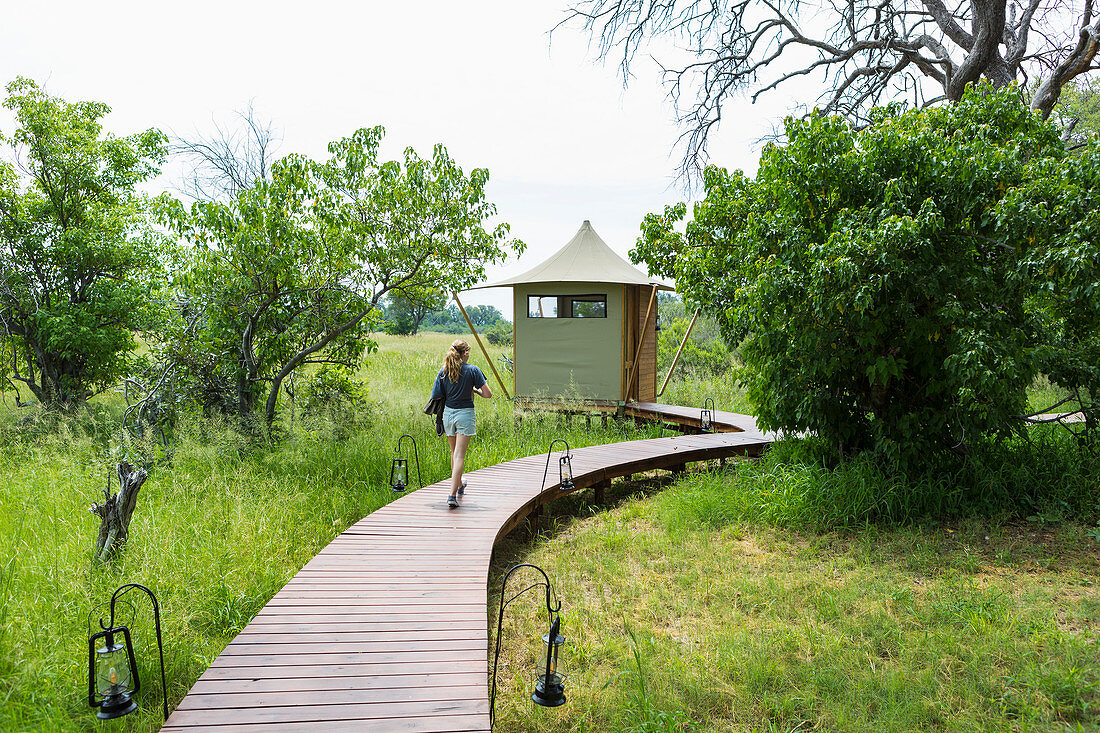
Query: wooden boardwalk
point(386, 628)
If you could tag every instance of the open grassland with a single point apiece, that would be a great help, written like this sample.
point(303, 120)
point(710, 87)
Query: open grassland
point(679, 619)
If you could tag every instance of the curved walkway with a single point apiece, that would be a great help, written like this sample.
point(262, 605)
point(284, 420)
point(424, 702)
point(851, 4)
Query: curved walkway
point(385, 629)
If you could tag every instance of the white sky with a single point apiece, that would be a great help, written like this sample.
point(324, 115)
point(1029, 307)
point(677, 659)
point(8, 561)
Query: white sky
point(562, 139)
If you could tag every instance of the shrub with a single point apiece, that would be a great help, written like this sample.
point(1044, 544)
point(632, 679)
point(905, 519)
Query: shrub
point(887, 282)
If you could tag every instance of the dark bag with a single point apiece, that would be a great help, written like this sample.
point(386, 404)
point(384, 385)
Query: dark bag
point(435, 407)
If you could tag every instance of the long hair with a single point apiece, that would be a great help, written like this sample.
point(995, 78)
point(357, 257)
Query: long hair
point(452, 363)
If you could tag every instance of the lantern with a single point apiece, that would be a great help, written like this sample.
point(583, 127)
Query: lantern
point(399, 474)
point(706, 415)
point(112, 674)
point(549, 686)
point(565, 467)
point(399, 470)
point(112, 666)
point(565, 472)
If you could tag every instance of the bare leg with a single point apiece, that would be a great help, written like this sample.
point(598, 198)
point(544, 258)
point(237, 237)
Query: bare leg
point(458, 460)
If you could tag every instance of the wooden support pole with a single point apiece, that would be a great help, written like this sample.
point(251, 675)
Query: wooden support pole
point(600, 490)
point(678, 351)
point(483, 349)
point(641, 343)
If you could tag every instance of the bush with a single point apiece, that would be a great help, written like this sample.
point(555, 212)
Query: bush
point(881, 280)
point(499, 334)
point(1048, 476)
point(331, 390)
point(702, 356)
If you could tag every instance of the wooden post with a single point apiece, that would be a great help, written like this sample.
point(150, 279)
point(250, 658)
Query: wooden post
point(599, 489)
point(641, 343)
point(483, 349)
point(676, 358)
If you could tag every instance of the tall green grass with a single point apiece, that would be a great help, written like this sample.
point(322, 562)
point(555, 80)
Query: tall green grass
point(1050, 477)
point(215, 534)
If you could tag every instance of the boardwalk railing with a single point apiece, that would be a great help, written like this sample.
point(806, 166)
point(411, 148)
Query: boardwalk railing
point(385, 629)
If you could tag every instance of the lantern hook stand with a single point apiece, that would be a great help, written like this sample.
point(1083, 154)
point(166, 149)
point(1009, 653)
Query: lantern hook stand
point(416, 456)
point(553, 609)
point(110, 627)
point(568, 455)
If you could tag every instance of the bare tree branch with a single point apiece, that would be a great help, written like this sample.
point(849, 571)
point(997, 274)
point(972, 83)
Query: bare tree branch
point(871, 51)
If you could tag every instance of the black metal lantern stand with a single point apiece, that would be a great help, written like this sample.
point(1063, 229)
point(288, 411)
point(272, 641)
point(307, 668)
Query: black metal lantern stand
point(112, 668)
point(399, 471)
point(565, 467)
point(549, 683)
point(706, 415)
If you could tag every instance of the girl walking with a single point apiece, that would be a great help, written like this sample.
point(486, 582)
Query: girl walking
point(457, 383)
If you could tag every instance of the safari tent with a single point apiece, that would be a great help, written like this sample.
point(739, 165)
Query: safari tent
point(585, 326)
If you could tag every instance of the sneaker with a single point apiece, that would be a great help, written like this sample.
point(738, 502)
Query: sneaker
point(462, 489)
point(452, 502)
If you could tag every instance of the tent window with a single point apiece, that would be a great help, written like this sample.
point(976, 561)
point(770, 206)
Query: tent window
point(567, 306)
point(587, 306)
point(542, 306)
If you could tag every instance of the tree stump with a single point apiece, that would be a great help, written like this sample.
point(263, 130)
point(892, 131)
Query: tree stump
point(116, 510)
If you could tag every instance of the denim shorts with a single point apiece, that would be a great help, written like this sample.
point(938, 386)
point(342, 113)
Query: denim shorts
point(458, 420)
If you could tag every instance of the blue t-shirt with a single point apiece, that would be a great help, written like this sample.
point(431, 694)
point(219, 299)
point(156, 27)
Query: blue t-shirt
point(460, 394)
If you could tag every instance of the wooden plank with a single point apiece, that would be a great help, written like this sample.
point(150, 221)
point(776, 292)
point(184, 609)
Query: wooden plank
point(312, 713)
point(354, 696)
point(362, 668)
point(349, 682)
point(294, 659)
point(410, 724)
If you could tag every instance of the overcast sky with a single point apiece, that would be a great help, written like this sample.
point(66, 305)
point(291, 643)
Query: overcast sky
point(562, 139)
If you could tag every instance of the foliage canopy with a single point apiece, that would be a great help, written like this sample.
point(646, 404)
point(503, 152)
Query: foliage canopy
point(292, 270)
point(79, 265)
point(897, 288)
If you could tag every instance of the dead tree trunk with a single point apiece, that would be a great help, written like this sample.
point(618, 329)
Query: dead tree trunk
point(116, 510)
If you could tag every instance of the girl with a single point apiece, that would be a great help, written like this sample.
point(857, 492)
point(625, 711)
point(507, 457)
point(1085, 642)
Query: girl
point(457, 383)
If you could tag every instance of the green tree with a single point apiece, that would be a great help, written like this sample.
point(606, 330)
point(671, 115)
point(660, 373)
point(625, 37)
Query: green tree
point(79, 268)
point(484, 315)
point(404, 312)
point(1078, 111)
point(886, 297)
point(704, 353)
point(292, 270)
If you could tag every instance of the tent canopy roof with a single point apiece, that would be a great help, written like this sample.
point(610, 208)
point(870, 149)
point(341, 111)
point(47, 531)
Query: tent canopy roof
point(586, 258)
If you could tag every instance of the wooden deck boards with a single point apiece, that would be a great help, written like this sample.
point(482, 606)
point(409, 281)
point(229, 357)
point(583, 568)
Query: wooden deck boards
point(385, 629)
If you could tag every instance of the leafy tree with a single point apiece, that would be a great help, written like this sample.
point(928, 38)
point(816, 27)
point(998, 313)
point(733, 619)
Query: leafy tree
point(447, 320)
point(79, 268)
point(404, 313)
point(704, 353)
point(292, 270)
point(867, 53)
point(1058, 207)
point(889, 283)
point(1078, 111)
point(450, 320)
point(484, 315)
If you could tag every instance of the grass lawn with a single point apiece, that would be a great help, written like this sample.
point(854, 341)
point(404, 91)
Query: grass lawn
point(675, 625)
